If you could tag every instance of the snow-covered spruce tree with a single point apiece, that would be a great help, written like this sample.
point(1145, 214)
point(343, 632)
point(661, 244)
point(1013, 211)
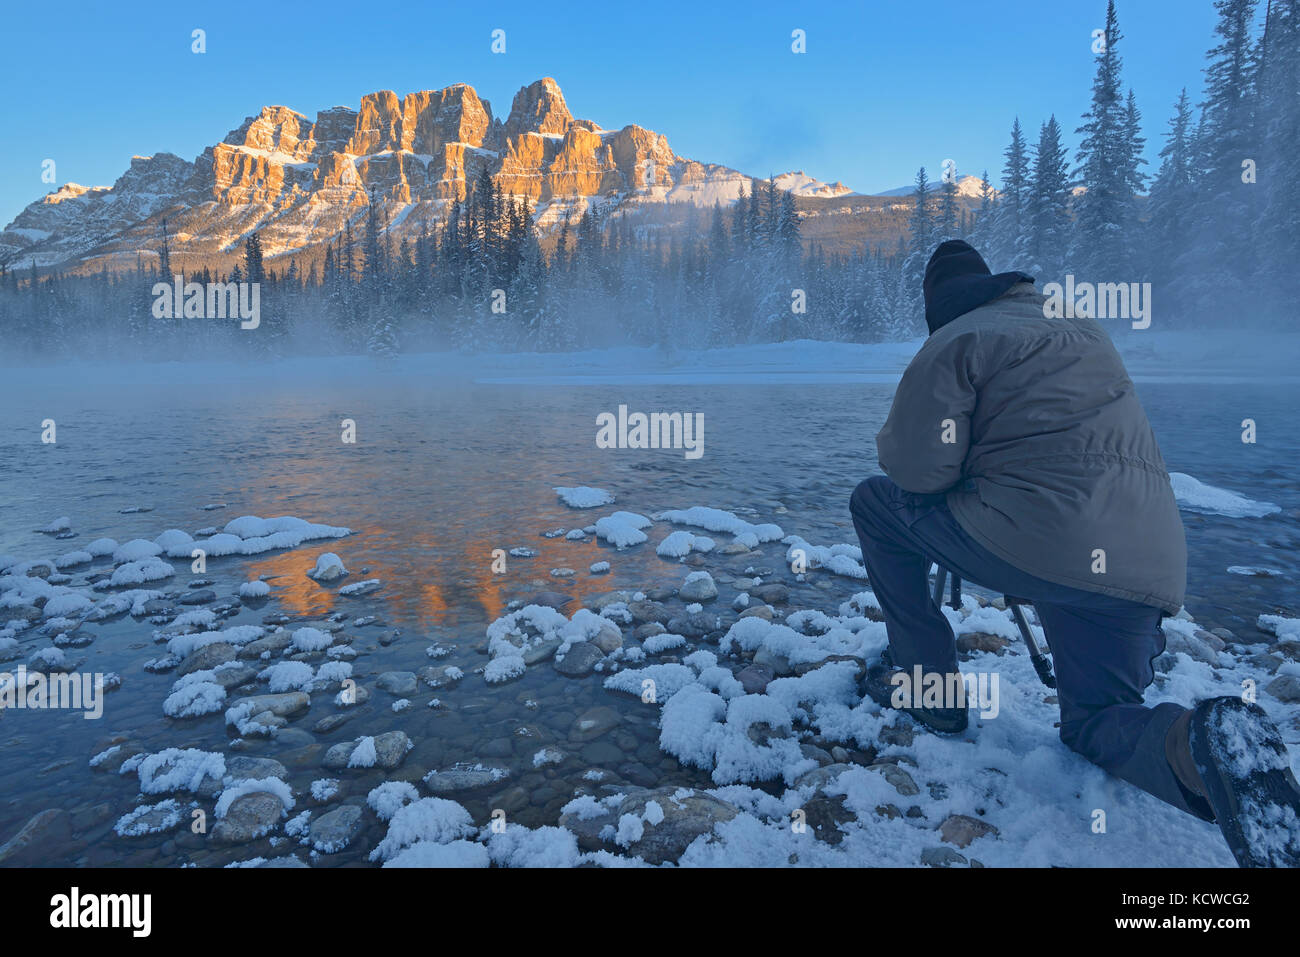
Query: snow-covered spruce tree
point(1221, 261)
point(1008, 229)
point(921, 227)
point(1172, 209)
point(382, 341)
point(946, 222)
point(908, 316)
point(1277, 129)
point(1098, 250)
point(981, 230)
point(1134, 181)
point(1047, 207)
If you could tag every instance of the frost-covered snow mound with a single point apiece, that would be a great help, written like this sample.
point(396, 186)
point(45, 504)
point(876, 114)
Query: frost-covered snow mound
point(717, 520)
point(1197, 496)
point(584, 496)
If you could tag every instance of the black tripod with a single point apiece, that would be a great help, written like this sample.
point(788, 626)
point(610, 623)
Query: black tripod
point(1041, 664)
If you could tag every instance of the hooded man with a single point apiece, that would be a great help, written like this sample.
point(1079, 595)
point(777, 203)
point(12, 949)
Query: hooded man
point(1018, 456)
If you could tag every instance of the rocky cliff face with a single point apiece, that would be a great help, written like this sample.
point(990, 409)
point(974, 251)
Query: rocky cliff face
point(298, 182)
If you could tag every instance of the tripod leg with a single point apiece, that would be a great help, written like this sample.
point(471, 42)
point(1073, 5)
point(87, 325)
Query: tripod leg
point(1041, 664)
point(940, 580)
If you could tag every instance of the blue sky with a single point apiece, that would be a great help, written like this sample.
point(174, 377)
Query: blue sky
point(884, 86)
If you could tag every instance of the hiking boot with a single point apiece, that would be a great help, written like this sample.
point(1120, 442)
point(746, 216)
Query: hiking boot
point(878, 685)
point(1247, 780)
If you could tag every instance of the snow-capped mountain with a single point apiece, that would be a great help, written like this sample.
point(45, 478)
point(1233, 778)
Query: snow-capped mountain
point(967, 187)
point(801, 184)
point(298, 182)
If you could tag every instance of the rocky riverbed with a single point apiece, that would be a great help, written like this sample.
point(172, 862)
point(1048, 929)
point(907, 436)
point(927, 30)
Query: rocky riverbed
point(708, 715)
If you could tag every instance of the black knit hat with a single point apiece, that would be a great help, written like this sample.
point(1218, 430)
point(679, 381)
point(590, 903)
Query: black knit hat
point(958, 280)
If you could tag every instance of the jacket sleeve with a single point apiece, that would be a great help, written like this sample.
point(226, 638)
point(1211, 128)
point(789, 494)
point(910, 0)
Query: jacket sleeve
point(924, 442)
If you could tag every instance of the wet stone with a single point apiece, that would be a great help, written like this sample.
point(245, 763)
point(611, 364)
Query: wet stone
point(460, 778)
point(594, 722)
point(602, 752)
point(644, 612)
point(639, 774)
point(580, 660)
point(549, 599)
point(293, 738)
point(243, 767)
point(400, 683)
point(695, 625)
point(685, 817)
point(198, 598)
point(336, 829)
point(541, 651)
point(772, 593)
point(332, 722)
point(249, 817)
point(699, 588)
point(33, 841)
point(511, 800)
point(608, 638)
point(273, 643)
point(207, 657)
point(281, 705)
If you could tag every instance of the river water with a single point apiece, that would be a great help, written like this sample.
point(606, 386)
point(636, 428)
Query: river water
point(446, 469)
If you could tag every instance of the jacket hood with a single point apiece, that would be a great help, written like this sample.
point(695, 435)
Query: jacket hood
point(958, 280)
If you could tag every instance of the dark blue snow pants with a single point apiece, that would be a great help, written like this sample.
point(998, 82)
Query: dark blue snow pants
point(1102, 647)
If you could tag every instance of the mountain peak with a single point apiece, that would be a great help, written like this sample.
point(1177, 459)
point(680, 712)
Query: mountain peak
point(801, 184)
point(539, 108)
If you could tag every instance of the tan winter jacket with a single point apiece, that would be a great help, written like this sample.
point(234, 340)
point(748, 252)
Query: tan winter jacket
point(1033, 428)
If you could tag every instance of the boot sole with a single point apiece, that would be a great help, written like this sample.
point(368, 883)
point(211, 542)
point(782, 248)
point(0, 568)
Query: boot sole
point(1245, 768)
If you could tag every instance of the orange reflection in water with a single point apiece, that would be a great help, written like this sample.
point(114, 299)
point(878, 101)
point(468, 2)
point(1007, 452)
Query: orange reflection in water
point(292, 589)
point(429, 581)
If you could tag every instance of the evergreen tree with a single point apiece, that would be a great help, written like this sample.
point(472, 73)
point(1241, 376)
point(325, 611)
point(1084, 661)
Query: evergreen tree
point(1009, 222)
point(1133, 180)
point(1277, 130)
point(1047, 205)
point(922, 222)
point(253, 267)
point(1222, 258)
point(946, 225)
point(1173, 198)
point(981, 231)
point(1100, 245)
